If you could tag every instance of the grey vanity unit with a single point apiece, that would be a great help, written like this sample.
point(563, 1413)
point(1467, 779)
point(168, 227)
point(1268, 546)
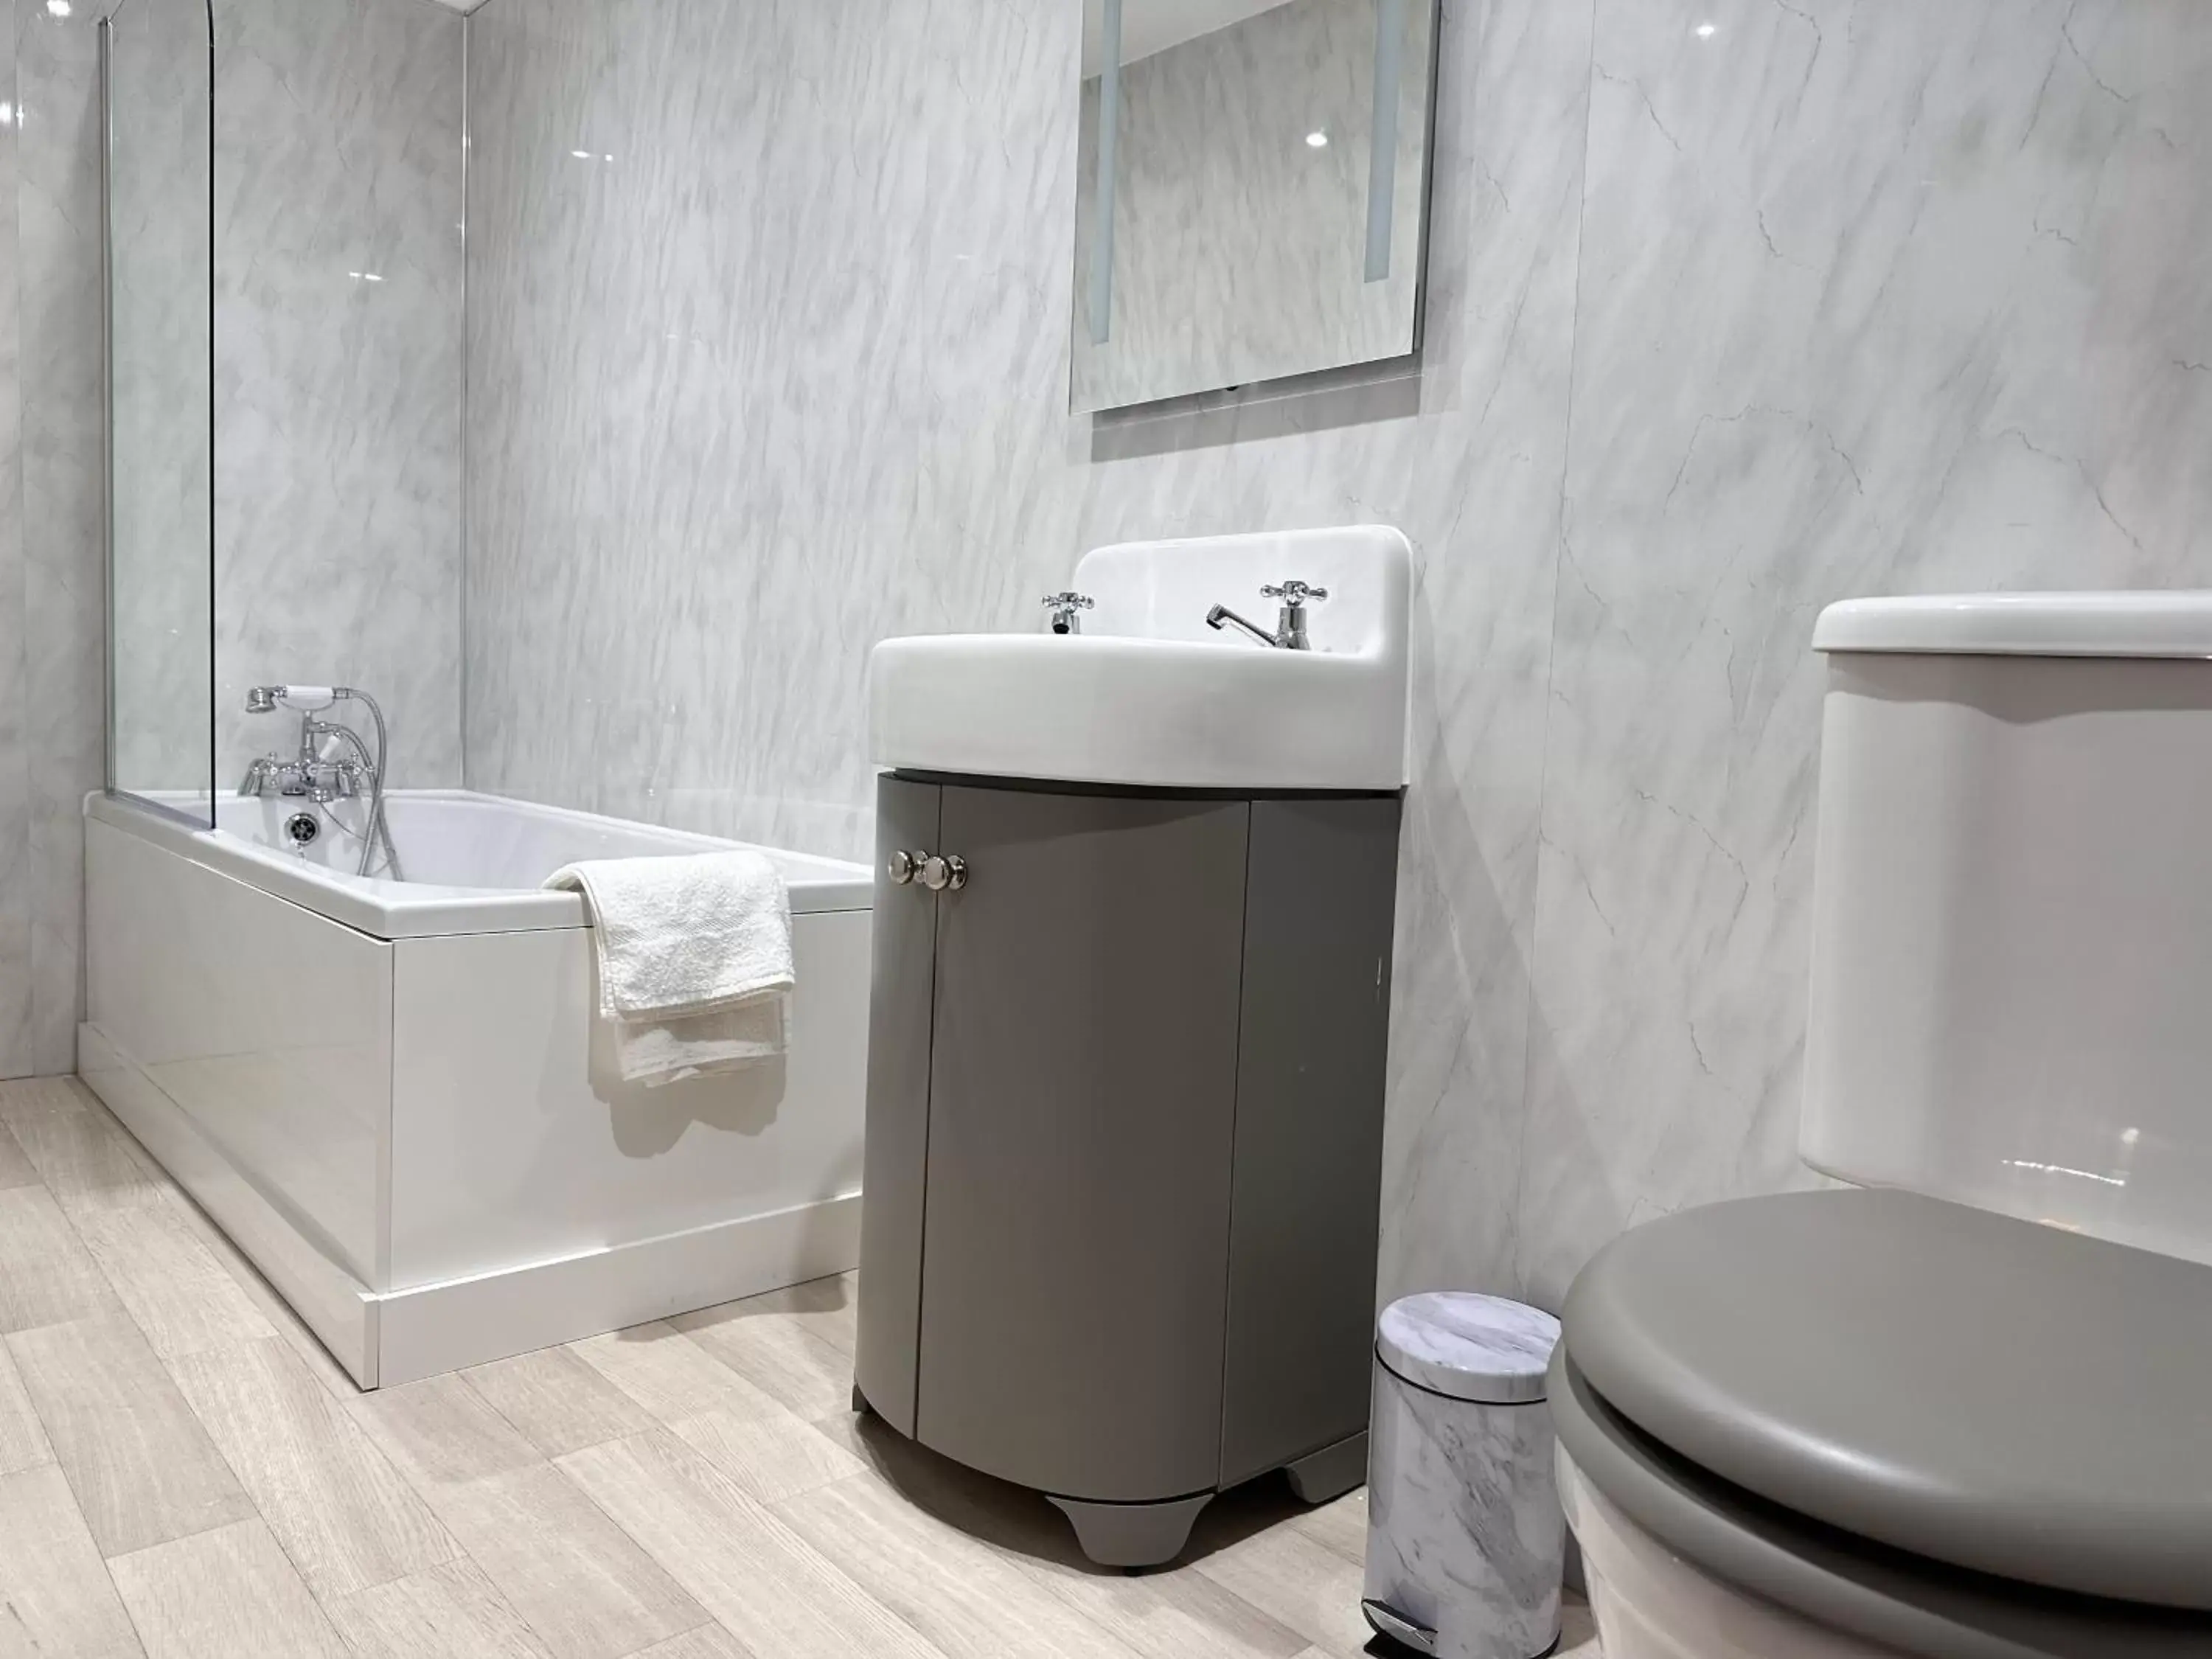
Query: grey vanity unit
point(1124, 1147)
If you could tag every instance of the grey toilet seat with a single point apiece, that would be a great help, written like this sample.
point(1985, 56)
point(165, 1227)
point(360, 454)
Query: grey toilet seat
point(1843, 1583)
point(1919, 1421)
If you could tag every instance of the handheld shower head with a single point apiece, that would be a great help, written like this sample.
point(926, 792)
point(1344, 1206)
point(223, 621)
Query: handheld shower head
point(266, 699)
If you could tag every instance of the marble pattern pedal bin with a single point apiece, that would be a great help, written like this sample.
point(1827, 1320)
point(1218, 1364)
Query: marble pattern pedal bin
point(1465, 1535)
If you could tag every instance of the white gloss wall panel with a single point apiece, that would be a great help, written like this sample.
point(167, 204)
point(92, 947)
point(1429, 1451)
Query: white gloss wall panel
point(789, 374)
point(336, 460)
point(1872, 300)
point(1724, 323)
point(774, 367)
point(161, 444)
point(514, 1141)
point(17, 968)
point(268, 1027)
point(338, 176)
point(367, 488)
point(50, 237)
point(1467, 461)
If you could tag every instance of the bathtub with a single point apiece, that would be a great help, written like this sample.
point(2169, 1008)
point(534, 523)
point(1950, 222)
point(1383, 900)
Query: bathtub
point(394, 1096)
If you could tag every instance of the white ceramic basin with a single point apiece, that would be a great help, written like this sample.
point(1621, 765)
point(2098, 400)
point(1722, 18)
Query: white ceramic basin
point(1148, 695)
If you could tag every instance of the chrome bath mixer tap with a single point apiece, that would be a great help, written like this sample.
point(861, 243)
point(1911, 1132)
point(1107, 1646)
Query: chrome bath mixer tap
point(310, 775)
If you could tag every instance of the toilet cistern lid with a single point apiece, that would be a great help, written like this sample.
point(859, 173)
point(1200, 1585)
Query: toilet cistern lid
point(2172, 623)
point(1482, 1349)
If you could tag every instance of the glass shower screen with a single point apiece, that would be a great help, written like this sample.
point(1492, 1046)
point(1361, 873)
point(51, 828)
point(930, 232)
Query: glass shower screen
point(157, 63)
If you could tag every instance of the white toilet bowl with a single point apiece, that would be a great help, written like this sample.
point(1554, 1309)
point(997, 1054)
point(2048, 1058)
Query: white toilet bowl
point(1649, 1603)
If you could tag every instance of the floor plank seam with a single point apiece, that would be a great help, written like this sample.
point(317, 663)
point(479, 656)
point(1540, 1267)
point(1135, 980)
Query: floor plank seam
point(543, 1639)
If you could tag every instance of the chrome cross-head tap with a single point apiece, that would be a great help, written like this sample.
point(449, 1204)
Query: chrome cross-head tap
point(1290, 633)
point(1290, 620)
point(1067, 610)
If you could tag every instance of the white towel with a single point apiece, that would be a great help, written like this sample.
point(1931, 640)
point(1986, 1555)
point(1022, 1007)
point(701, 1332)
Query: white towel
point(694, 959)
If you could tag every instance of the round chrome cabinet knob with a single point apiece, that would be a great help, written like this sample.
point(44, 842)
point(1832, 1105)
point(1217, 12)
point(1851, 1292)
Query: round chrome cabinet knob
point(903, 866)
point(943, 870)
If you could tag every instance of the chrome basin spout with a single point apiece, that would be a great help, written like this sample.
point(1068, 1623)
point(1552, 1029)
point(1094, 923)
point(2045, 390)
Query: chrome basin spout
point(1222, 616)
point(1290, 633)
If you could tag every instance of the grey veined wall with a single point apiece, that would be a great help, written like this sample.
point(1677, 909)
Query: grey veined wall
point(336, 462)
point(18, 897)
point(338, 168)
point(1734, 309)
point(346, 520)
point(52, 590)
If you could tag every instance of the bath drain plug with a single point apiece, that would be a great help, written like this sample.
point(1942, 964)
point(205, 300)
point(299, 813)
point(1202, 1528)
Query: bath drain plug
point(302, 827)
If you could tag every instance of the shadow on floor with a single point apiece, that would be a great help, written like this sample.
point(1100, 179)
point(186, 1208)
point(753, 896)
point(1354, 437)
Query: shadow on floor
point(1018, 1519)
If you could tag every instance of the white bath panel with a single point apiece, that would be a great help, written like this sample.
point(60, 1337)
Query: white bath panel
point(418, 1138)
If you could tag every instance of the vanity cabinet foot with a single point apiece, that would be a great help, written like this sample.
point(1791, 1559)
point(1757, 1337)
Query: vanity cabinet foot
point(1132, 1534)
point(1323, 1476)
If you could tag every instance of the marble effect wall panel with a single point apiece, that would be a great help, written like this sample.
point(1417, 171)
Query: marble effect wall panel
point(52, 228)
point(1466, 460)
point(161, 441)
point(768, 360)
point(787, 374)
point(1873, 299)
point(1735, 309)
point(337, 459)
point(339, 367)
point(17, 896)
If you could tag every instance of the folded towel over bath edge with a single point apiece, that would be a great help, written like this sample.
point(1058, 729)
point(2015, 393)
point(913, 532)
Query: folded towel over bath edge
point(694, 956)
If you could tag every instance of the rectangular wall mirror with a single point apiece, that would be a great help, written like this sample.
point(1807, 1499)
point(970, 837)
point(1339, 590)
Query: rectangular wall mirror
point(1253, 192)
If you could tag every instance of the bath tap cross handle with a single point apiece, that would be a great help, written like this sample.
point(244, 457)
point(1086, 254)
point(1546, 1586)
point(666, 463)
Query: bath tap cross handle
point(1292, 592)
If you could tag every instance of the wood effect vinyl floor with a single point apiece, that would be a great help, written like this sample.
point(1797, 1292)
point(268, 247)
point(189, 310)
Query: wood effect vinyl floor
point(183, 1472)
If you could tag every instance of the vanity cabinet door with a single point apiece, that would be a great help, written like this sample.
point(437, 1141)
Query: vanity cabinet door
point(905, 953)
point(1082, 1099)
